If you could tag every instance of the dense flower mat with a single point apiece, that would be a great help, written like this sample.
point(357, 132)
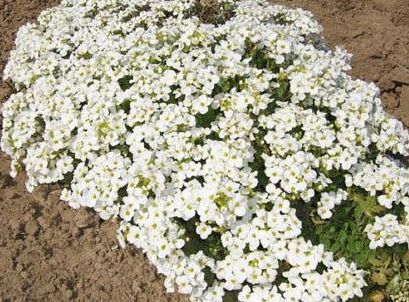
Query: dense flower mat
point(230, 142)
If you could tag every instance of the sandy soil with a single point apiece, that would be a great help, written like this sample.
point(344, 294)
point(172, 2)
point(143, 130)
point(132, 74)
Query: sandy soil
point(49, 252)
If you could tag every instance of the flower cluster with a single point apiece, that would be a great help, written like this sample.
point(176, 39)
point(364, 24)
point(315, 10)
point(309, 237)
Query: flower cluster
point(207, 139)
point(387, 230)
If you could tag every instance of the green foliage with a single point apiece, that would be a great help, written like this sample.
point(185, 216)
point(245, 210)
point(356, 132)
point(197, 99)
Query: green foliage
point(205, 120)
point(258, 163)
point(225, 85)
point(125, 105)
point(282, 93)
point(231, 296)
point(344, 235)
point(212, 246)
point(125, 82)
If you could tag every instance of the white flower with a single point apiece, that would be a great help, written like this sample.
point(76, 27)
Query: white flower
point(387, 230)
point(203, 230)
point(183, 284)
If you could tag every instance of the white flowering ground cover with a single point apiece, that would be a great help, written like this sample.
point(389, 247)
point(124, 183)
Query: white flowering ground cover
point(231, 143)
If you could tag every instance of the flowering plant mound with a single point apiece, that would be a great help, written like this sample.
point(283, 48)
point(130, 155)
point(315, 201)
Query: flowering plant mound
point(230, 142)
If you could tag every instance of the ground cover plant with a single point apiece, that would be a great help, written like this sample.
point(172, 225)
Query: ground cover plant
point(231, 143)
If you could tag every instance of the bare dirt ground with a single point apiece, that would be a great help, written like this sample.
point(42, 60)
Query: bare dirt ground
point(49, 252)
